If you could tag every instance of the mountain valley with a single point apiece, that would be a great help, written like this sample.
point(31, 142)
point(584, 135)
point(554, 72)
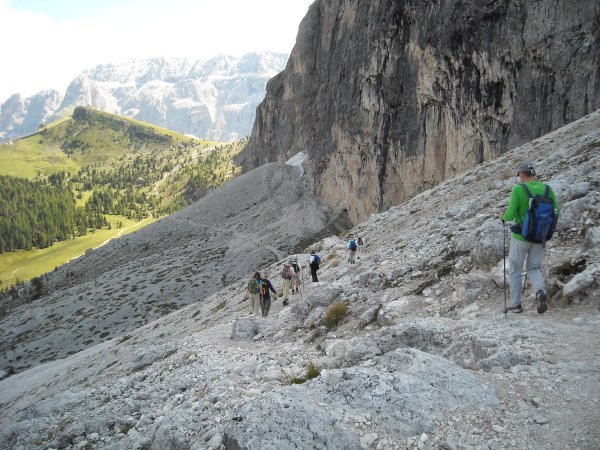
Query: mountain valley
point(424, 359)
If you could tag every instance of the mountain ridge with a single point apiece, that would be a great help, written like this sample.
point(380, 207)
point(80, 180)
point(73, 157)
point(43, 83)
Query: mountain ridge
point(212, 99)
point(117, 171)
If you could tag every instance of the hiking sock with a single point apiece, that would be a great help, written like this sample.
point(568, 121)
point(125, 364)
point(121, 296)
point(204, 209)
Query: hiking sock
point(542, 302)
point(514, 309)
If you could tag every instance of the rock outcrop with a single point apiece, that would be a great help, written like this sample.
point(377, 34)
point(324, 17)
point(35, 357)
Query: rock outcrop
point(389, 98)
point(21, 116)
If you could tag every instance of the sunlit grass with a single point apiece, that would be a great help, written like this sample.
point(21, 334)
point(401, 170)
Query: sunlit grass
point(26, 157)
point(27, 264)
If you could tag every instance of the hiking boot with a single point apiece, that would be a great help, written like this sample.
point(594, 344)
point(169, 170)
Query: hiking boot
point(514, 309)
point(542, 301)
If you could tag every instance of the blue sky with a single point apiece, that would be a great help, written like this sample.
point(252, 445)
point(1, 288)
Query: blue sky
point(46, 43)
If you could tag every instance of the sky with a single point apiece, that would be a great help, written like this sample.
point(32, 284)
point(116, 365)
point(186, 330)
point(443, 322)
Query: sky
point(47, 43)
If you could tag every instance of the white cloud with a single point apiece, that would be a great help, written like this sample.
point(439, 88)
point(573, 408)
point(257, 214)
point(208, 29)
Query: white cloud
point(42, 53)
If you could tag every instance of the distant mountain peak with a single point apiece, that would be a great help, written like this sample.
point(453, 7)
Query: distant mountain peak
point(214, 99)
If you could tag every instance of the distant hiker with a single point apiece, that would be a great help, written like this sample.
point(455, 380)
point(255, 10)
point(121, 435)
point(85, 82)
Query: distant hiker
point(351, 249)
point(286, 276)
point(296, 275)
point(314, 263)
point(361, 242)
point(264, 288)
point(253, 293)
point(540, 196)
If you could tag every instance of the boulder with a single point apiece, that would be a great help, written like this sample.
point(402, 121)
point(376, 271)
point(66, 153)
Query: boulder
point(244, 329)
point(403, 393)
point(580, 282)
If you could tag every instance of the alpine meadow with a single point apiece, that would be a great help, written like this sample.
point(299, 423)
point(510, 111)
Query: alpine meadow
point(92, 176)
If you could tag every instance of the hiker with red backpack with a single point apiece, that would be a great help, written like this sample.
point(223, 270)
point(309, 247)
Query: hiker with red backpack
point(534, 209)
point(286, 275)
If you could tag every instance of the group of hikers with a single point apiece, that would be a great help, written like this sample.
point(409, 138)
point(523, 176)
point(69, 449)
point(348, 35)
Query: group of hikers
point(259, 287)
point(533, 209)
point(353, 247)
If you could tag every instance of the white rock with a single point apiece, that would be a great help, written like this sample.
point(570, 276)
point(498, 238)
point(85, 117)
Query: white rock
point(579, 282)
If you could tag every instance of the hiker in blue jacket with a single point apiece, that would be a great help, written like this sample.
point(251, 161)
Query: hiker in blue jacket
point(313, 263)
point(351, 250)
point(265, 288)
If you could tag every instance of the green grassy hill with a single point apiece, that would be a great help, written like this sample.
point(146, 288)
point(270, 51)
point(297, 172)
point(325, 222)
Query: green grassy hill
point(121, 172)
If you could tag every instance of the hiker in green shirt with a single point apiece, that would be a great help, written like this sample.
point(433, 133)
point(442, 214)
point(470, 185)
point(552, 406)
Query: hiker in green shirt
point(520, 248)
point(253, 294)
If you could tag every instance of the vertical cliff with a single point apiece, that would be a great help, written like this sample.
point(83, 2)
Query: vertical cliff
point(389, 97)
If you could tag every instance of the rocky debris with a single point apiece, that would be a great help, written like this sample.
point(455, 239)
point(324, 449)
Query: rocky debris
point(401, 395)
point(174, 262)
point(412, 364)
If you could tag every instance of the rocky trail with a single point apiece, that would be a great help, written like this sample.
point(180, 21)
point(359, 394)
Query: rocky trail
point(422, 359)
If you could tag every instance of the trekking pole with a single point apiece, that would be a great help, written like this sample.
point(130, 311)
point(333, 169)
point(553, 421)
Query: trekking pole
point(524, 284)
point(504, 263)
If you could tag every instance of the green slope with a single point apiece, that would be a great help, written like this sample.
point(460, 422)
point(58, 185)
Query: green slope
point(125, 170)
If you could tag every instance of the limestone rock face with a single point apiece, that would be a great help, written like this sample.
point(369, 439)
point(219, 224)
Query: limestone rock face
point(390, 97)
point(20, 116)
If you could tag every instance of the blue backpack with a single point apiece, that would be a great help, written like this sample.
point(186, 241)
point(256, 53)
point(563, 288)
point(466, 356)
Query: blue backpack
point(352, 245)
point(540, 219)
point(317, 259)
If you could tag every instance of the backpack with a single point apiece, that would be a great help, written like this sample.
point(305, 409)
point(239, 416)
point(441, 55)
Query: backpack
point(253, 286)
point(263, 287)
point(540, 219)
point(352, 245)
point(317, 260)
point(295, 266)
point(286, 272)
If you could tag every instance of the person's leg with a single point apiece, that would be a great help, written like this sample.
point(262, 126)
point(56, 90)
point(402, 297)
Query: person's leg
point(255, 303)
point(534, 266)
point(286, 289)
point(267, 306)
point(535, 258)
point(516, 258)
